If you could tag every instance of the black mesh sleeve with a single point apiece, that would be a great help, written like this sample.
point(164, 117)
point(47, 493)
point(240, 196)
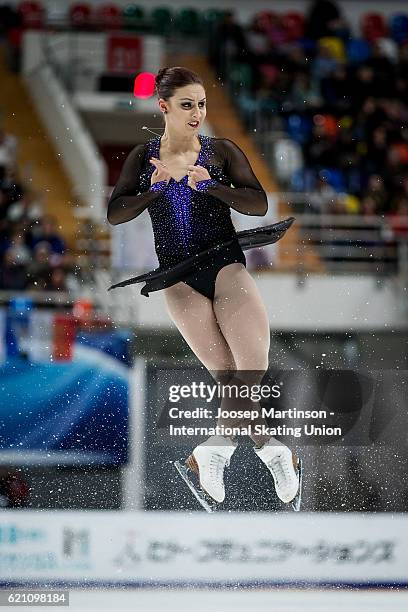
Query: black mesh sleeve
point(126, 201)
point(247, 196)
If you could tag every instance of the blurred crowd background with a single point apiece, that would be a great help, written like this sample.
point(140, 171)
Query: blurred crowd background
point(337, 98)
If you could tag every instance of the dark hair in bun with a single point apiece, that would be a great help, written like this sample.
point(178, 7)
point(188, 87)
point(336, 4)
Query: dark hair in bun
point(169, 79)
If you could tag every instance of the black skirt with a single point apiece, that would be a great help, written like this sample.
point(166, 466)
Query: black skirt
point(160, 278)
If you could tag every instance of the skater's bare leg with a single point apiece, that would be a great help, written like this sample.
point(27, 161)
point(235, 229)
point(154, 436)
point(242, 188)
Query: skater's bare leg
point(244, 322)
point(194, 316)
point(231, 337)
point(228, 334)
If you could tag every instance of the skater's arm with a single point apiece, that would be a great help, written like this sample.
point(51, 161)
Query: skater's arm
point(247, 196)
point(126, 202)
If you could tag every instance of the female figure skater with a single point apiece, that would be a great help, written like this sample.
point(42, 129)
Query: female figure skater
point(184, 180)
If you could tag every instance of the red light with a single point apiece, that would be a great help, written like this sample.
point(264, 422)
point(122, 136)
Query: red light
point(144, 85)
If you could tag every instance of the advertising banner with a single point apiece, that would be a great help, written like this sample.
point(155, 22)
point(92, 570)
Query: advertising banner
point(73, 411)
point(222, 549)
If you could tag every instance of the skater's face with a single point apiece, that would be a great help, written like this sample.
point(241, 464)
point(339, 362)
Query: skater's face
point(186, 106)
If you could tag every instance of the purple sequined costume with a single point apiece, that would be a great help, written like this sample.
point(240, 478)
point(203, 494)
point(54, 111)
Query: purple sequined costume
point(193, 232)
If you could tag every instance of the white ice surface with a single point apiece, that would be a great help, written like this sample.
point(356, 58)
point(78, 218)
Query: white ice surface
point(276, 600)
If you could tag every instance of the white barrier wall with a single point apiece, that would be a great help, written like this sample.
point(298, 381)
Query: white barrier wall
point(222, 549)
point(317, 303)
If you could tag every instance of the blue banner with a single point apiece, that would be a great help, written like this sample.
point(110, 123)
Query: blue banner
point(72, 412)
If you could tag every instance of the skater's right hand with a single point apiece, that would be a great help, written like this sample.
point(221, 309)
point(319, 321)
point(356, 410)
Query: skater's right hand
point(161, 173)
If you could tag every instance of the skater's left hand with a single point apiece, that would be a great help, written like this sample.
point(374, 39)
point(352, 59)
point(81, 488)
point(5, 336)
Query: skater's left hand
point(196, 174)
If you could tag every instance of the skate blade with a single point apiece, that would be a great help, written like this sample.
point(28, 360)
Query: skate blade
point(296, 501)
point(207, 503)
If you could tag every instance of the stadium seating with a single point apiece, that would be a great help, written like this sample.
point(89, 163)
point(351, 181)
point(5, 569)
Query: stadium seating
point(162, 20)
point(399, 28)
point(373, 26)
point(335, 46)
point(80, 15)
point(358, 51)
point(240, 76)
point(109, 17)
point(187, 21)
point(134, 17)
point(294, 25)
point(32, 14)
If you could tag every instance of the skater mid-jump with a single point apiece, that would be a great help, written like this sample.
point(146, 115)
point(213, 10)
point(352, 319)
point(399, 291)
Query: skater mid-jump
point(188, 182)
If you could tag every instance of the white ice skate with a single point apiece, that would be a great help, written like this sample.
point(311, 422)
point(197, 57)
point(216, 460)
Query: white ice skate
point(208, 461)
point(286, 470)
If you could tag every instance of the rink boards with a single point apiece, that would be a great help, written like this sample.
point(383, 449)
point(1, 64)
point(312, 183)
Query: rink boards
point(165, 548)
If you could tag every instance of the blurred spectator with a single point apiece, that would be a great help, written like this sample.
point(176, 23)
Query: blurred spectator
point(258, 44)
point(383, 69)
point(39, 271)
point(324, 63)
point(33, 254)
point(363, 86)
point(11, 185)
point(228, 45)
point(323, 199)
point(369, 206)
point(28, 208)
point(377, 150)
point(46, 233)
point(377, 192)
point(304, 93)
point(58, 280)
point(351, 203)
point(402, 73)
point(348, 156)
point(338, 206)
point(4, 206)
point(336, 90)
point(12, 273)
point(322, 150)
point(294, 59)
point(324, 19)
point(403, 189)
point(369, 116)
point(9, 18)
point(8, 149)
point(398, 218)
point(14, 489)
point(275, 31)
point(18, 250)
point(348, 117)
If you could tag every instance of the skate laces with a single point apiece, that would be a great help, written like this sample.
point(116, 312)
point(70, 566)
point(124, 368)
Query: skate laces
point(280, 469)
point(217, 465)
